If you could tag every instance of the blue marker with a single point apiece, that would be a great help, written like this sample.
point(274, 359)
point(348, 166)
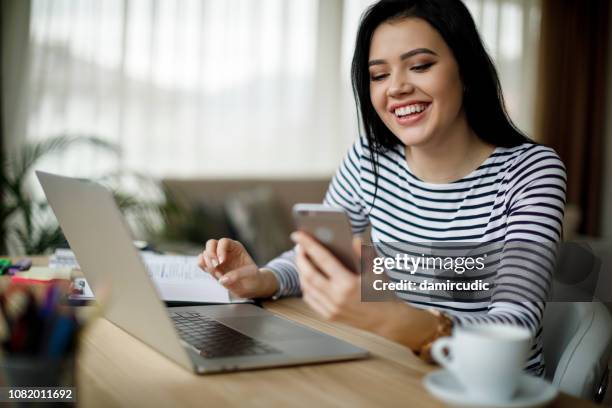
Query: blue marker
point(61, 336)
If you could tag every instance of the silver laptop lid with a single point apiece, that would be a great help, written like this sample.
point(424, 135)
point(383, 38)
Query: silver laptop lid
point(102, 243)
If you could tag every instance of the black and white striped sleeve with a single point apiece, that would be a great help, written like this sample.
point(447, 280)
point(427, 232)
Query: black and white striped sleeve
point(535, 201)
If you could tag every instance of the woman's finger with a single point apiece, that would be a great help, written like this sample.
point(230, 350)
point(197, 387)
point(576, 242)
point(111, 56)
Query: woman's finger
point(320, 255)
point(223, 248)
point(236, 275)
point(320, 304)
point(211, 252)
point(204, 262)
point(314, 305)
point(310, 274)
point(302, 258)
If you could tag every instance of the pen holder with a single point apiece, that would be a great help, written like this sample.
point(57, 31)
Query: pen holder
point(39, 335)
point(28, 371)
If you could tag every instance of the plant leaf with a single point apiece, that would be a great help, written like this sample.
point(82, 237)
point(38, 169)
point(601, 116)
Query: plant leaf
point(31, 153)
point(32, 235)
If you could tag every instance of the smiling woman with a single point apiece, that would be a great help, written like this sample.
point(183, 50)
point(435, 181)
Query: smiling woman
point(439, 161)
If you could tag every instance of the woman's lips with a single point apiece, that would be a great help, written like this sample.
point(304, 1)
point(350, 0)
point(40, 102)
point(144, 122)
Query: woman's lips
point(409, 120)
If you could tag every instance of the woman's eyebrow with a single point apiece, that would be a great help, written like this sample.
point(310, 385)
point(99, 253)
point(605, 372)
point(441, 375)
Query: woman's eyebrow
point(404, 56)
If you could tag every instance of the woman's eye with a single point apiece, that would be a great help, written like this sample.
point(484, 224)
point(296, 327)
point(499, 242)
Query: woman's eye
point(378, 77)
point(422, 67)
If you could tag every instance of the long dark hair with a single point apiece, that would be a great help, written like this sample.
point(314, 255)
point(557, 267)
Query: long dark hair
point(483, 101)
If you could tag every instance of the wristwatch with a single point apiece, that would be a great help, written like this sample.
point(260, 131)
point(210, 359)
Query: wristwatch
point(444, 328)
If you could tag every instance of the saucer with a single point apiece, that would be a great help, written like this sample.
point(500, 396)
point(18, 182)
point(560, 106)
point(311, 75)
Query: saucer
point(532, 392)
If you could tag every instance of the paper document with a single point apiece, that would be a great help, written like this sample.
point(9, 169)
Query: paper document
point(177, 278)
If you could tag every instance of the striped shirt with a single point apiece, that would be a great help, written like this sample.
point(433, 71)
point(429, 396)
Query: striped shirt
point(516, 195)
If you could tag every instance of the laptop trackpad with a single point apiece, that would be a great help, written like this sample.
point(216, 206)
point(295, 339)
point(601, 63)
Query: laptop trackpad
point(268, 328)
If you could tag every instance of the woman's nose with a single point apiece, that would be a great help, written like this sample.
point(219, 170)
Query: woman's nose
point(400, 85)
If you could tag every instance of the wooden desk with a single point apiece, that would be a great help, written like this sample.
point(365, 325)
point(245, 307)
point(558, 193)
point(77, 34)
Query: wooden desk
point(116, 370)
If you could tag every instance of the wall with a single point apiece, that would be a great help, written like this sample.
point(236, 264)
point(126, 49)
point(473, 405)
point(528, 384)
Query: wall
point(607, 179)
point(15, 31)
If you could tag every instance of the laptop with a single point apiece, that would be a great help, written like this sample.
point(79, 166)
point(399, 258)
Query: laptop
point(203, 339)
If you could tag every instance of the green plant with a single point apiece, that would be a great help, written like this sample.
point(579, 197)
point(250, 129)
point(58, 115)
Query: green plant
point(26, 224)
point(146, 208)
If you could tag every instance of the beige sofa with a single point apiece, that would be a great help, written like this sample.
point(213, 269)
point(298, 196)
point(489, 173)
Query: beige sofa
point(255, 211)
point(215, 192)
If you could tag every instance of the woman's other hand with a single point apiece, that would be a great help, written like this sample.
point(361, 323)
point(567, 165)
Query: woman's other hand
point(229, 262)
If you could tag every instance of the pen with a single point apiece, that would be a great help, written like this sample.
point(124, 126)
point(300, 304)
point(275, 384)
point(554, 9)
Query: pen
point(18, 336)
point(48, 315)
point(50, 300)
point(33, 324)
point(61, 336)
point(17, 304)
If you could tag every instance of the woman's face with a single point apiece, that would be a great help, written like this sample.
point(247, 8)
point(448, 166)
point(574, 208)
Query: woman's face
point(415, 85)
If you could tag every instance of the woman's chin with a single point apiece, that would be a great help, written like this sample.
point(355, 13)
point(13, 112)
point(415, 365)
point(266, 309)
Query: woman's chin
point(413, 139)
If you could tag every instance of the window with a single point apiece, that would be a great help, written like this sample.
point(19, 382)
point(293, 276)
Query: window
point(224, 88)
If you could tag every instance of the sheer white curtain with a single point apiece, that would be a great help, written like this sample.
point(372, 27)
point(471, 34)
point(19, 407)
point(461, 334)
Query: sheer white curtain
point(511, 32)
point(224, 88)
point(185, 87)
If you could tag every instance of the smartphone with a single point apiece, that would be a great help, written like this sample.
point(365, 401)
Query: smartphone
point(331, 227)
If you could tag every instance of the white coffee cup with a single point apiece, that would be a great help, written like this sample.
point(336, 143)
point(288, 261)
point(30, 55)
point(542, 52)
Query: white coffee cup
point(487, 359)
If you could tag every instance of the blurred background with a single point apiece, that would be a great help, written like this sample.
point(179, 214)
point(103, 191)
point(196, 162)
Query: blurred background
point(211, 117)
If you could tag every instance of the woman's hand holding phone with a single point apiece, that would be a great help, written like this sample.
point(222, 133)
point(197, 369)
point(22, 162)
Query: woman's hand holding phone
point(329, 287)
point(334, 292)
point(229, 262)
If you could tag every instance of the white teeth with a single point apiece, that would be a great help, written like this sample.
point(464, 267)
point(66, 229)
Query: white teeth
point(408, 110)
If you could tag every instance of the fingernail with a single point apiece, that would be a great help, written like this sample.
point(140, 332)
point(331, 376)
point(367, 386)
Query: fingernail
point(294, 236)
point(218, 275)
point(215, 263)
point(223, 280)
point(221, 259)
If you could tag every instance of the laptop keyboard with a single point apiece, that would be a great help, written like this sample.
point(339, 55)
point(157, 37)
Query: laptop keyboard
point(213, 339)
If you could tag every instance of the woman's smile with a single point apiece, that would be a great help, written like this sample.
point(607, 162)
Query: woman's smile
point(410, 113)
